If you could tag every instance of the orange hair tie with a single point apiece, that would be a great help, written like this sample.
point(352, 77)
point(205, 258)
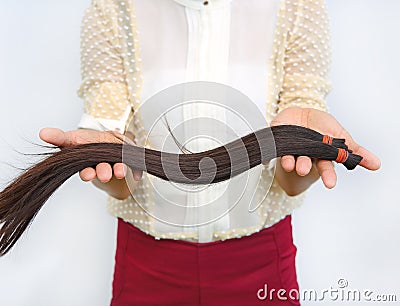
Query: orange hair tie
point(327, 139)
point(342, 156)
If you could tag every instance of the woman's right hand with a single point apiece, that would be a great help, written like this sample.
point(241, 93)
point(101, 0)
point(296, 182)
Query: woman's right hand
point(104, 176)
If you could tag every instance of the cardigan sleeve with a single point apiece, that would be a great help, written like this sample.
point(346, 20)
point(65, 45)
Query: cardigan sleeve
point(307, 58)
point(103, 88)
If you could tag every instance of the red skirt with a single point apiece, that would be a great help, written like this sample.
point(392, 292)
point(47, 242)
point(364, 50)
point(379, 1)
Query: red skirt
point(253, 270)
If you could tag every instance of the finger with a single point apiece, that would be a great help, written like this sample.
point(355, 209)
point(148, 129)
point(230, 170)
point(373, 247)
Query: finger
point(303, 165)
point(113, 136)
point(130, 136)
point(288, 163)
point(120, 170)
point(137, 175)
point(87, 174)
point(104, 172)
point(327, 172)
point(60, 138)
point(370, 161)
point(129, 141)
point(53, 136)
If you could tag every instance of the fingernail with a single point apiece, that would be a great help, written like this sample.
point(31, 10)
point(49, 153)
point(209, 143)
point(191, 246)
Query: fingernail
point(303, 171)
point(124, 169)
point(331, 184)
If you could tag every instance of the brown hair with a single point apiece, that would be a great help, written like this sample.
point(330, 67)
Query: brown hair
point(22, 199)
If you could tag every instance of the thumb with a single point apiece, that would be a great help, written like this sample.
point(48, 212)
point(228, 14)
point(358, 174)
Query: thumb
point(53, 136)
point(370, 161)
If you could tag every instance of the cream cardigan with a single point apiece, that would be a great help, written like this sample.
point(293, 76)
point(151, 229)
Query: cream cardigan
point(112, 89)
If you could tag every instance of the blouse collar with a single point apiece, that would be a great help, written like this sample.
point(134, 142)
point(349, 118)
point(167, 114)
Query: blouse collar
point(203, 4)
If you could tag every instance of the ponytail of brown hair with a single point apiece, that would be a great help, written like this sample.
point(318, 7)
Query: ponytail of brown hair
point(22, 199)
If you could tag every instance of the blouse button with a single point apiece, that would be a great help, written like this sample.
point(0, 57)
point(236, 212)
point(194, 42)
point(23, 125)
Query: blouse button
point(205, 3)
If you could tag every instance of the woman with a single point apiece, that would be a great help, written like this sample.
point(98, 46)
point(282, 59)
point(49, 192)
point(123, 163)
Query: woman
point(275, 52)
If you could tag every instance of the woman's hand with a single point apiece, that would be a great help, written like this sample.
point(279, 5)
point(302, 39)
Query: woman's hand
point(296, 175)
point(104, 176)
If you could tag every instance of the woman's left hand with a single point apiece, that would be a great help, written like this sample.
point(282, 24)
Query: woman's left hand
point(328, 125)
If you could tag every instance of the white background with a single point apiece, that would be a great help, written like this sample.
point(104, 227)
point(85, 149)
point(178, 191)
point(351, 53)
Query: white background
point(67, 256)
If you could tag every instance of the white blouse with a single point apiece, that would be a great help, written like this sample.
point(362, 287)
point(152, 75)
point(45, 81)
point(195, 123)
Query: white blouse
point(274, 52)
